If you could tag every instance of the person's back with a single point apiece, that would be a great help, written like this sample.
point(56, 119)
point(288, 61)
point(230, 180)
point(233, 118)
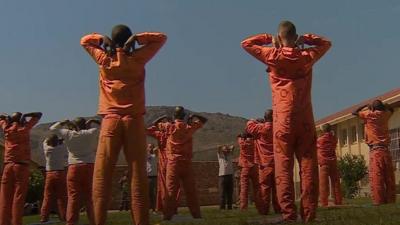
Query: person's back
point(122, 73)
point(247, 152)
point(376, 127)
point(180, 139)
point(326, 146)
point(56, 156)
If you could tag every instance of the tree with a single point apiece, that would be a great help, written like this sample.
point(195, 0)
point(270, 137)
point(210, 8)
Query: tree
point(352, 169)
point(36, 186)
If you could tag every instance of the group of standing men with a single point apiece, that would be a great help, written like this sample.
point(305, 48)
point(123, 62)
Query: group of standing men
point(122, 105)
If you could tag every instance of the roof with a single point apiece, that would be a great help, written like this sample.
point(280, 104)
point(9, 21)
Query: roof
point(392, 97)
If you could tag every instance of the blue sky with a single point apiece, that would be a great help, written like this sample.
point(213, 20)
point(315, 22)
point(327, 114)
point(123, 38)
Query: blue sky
point(202, 66)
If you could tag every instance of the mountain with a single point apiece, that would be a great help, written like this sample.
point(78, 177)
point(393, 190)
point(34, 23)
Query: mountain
point(220, 129)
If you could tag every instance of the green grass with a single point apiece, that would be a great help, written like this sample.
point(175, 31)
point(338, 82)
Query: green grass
point(361, 212)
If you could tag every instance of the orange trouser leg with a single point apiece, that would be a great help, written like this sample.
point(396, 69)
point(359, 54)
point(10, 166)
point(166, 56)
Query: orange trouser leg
point(161, 186)
point(295, 134)
point(189, 187)
point(381, 176)
point(181, 171)
point(14, 187)
point(390, 181)
point(284, 178)
point(266, 177)
point(268, 188)
point(275, 203)
point(172, 185)
point(55, 189)
point(79, 182)
point(244, 187)
point(324, 184)
point(307, 157)
point(116, 132)
point(254, 177)
point(335, 183)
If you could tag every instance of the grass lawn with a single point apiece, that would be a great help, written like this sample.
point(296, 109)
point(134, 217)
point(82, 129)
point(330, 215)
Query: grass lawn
point(358, 212)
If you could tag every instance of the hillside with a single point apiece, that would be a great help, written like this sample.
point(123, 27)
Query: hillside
point(220, 129)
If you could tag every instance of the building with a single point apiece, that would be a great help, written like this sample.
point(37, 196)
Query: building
point(350, 131)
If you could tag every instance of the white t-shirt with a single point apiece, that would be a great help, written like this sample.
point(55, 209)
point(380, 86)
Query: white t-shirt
point(56, 157)
point(225, 164)
point(81, 145)
point(151, 165)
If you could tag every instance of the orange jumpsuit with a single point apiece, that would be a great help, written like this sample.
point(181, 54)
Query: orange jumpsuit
point(122, 105)
point(161, 137)
point(249, 171)
point(290, 73)
point(15, 177)
point(265, 151)
point(179, 166)
point(381, 171)
point(326, 146)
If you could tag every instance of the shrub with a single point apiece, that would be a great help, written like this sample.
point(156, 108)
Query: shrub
point(352, 169)
point(36, 186)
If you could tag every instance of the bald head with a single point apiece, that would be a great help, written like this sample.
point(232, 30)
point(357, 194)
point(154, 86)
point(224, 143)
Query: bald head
point(179, 113)
point(378, 105)
point(120, 34)
point(287, 33)
point(326, 128)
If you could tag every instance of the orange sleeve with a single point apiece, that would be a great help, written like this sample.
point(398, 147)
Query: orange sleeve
point(253, 128)
point(92, 44)
point(152, 42)
point(255, 46)
point(321, 46)
point(363, 114)
point(32, 122)
point(153, 131)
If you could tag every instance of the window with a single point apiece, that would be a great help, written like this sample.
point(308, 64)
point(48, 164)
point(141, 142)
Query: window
point(343, 137)
point(353, 134)
point(395, 144)
point(361, 132)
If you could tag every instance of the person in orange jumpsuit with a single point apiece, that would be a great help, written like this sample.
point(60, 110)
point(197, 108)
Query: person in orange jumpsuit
point(326, 146)
point(290, 74)
point(122, 106)
point(261, 130)
point(179, 165)
point(381, 171)
point(17, 156)
point(55, 188)
point(161, 137)
point(249, 171)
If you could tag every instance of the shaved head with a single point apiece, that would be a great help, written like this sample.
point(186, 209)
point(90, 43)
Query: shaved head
point(287, 30)
point(179, 113)
point(326, 127)
point(120, 34)
point(378, 105)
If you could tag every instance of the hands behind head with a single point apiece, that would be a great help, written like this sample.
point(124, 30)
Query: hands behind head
point(260, 120)
point(130, 44)
point(276, 43)
point(300, 42)
point(108, 45)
